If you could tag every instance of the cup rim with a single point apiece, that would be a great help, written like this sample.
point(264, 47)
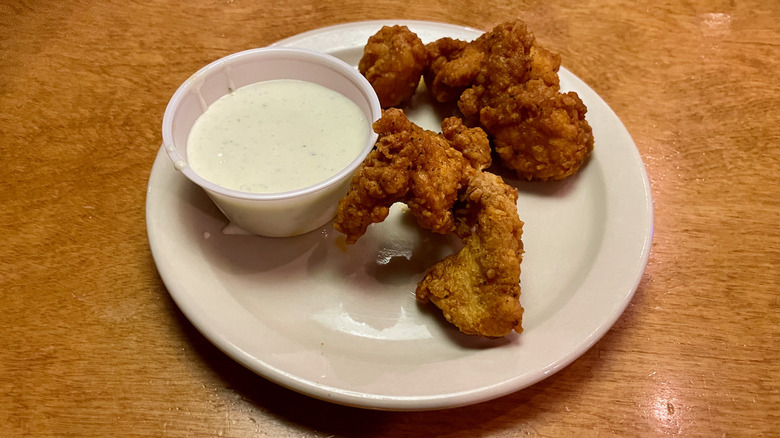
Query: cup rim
point(328, 60)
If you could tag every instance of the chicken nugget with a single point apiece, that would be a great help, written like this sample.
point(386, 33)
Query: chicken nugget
point(452, 67)
point(411, 165)
point(393, 62)
point(539, 132)
point(478, 288)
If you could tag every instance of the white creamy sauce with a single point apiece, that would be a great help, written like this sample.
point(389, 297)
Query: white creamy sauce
point(276, 136)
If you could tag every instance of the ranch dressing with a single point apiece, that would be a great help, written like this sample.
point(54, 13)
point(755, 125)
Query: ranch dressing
point(276, 136)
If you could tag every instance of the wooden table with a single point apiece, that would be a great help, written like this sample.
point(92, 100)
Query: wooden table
point(91, 344)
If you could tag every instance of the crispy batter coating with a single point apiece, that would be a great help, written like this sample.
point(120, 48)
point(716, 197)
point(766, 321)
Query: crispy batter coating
point(539, 132)
point(393, 62)
point(414, 166)
point(441, 178)
point(514, 56)
point(499, 81)
point(506, 56)
point(473, 143)
point(452, 66)
point(478, 288)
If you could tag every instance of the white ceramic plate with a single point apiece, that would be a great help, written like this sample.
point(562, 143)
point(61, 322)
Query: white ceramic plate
point(340, 322)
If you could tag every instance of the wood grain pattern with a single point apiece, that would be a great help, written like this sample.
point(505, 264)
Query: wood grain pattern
point(92, 345)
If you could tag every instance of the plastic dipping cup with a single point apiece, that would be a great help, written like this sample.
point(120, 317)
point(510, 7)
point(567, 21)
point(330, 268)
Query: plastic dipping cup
point(269, 214)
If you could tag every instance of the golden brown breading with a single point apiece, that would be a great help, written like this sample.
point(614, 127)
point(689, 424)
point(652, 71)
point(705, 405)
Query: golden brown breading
point(471, 142)
point(514, 56)
point(498, 81)
point(440, 178)
point(478, 288)
point(411, 165)
point(537, 131)
point(452, 67)
point(393, 61)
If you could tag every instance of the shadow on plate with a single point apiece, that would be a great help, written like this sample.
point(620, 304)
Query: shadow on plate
point(462, 340)
point(547, 189)
point(239, 254)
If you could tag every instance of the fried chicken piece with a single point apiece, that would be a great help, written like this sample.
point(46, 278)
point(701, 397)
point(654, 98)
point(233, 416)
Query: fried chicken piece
point(393, 62)
point(499, 82)
point(539, 132)
point(506, 56)
point(478, 288)
point(440, 177)
point(471, 142)
point(414, 166)
point(452, 66)
point(513, 57)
